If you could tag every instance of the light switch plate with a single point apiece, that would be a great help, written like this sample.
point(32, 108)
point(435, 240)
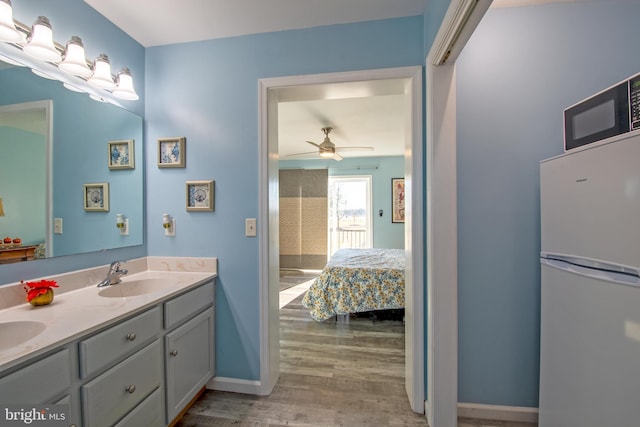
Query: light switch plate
point(57, 225)
point(250, 227)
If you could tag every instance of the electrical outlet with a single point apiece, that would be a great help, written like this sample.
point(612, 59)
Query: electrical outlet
point(57, 225)
point(250, 227)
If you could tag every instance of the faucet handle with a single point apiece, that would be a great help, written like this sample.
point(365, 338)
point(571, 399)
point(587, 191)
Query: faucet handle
point(116, 264)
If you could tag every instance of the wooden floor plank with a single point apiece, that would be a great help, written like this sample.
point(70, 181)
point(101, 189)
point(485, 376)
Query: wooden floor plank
point(332, 373)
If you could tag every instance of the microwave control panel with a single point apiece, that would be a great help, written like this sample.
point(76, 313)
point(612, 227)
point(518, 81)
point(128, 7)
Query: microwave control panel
point(634, 101)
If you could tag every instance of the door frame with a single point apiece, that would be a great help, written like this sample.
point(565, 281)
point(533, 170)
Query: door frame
point(459, 23)
point(414, 226)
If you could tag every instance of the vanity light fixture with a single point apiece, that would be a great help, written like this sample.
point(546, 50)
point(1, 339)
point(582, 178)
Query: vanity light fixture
point(8, 30)
point(123, 224)
point(40, 42)
point(101, 76)
point(169, 225)
point(73, 60)
point(124, 89)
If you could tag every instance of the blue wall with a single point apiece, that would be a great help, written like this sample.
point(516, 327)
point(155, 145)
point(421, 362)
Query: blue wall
point(75, 17)
point(521, 68)
point(208, 92)
point(381, 169)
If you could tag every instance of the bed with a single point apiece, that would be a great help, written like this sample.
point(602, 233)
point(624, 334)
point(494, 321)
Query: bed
point(356, 281)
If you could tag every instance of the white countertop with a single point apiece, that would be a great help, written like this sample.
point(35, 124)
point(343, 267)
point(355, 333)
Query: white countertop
point(77, 312)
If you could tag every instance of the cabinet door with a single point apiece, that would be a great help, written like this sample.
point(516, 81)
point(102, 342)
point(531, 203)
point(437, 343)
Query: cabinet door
point(190, 360)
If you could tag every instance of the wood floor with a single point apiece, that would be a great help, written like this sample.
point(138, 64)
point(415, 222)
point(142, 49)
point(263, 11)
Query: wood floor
point(333, 373)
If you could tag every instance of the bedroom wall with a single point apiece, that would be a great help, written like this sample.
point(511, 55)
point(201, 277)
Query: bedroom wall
point(521, 68)
point(385, 233)
point(208, 92)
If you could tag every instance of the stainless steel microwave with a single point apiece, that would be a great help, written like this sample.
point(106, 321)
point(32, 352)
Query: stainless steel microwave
point(613, 111)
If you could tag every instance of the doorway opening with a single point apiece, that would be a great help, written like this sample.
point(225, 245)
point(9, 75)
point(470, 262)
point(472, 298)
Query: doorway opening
point(274, 90)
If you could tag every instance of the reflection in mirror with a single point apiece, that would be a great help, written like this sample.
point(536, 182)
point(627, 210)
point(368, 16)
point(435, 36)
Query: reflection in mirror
point(80, 131)
point(24, 174)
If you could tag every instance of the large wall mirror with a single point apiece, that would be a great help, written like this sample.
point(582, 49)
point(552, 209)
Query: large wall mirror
point(53, 143)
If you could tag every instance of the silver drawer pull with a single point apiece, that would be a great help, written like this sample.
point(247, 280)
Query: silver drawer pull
point(174, 353)
point(131, 388)
point(131, 337)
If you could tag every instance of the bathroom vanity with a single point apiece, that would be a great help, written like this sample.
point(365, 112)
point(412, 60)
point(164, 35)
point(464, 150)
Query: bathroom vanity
point(132, 354)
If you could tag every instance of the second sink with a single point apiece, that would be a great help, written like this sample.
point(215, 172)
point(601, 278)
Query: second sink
point(134, 288)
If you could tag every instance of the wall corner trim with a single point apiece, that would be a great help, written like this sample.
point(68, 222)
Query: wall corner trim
point(523, 414)
point(234, 385)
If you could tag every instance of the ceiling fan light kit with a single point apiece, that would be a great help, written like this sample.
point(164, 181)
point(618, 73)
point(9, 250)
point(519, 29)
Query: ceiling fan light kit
point(327, 149)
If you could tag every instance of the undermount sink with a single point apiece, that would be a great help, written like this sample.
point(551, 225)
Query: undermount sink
point(15, 333)
point(134, 288)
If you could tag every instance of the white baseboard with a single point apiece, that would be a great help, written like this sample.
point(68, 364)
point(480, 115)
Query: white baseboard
point(496, 412)
point(234, 385)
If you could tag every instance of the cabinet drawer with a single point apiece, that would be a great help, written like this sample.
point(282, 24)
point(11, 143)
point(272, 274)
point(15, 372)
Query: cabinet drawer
point(148, 413)
point(185, 306)
point(116, 342)
point(38, 382)
point(116, 392)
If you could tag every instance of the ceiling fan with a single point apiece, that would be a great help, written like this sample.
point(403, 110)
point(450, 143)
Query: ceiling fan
point(328, 149)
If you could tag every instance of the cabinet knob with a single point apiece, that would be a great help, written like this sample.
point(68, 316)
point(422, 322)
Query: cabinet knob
point(131, 337)
point(174, 353)
point(131, 388)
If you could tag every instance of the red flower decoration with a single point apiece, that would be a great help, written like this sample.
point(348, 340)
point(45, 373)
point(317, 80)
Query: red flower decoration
point(33, 289)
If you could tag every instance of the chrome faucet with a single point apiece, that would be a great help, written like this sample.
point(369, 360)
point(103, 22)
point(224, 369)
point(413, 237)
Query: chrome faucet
point(113, 275)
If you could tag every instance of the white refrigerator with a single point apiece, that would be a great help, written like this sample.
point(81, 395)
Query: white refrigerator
point(590, 290)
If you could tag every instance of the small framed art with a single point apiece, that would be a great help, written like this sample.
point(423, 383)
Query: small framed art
point(121, 154)
point(200, 195)
point(172, 152)
point(397, 199)
point(96, 197)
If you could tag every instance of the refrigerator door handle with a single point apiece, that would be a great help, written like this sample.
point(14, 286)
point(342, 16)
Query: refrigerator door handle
point(593, 269)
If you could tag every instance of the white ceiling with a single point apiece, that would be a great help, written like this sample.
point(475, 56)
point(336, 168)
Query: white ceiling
point(362, 114)
point(159, 22)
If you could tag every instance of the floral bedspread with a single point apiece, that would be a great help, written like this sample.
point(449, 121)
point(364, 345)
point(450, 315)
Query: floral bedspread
point(357, 280)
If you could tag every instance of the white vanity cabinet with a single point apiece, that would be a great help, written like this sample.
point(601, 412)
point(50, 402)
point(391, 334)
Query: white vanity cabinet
point(189, 347)
point(141, 370)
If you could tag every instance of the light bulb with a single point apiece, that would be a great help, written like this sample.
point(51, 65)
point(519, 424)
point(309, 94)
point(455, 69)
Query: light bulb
point(40, 42)
point(101, 76)
point(74, 61)
point(124, 89)
point(8, 30)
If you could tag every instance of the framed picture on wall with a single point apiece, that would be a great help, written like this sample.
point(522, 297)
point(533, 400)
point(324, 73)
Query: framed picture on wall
point(96, 197)
point(121, 154)
point(200, 195)
point(397, 199)
point(172, 152)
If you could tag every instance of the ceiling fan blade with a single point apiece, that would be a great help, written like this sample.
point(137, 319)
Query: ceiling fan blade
point(337, 157)
point(354, 148)
point(314, 144)
point(302, 154)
